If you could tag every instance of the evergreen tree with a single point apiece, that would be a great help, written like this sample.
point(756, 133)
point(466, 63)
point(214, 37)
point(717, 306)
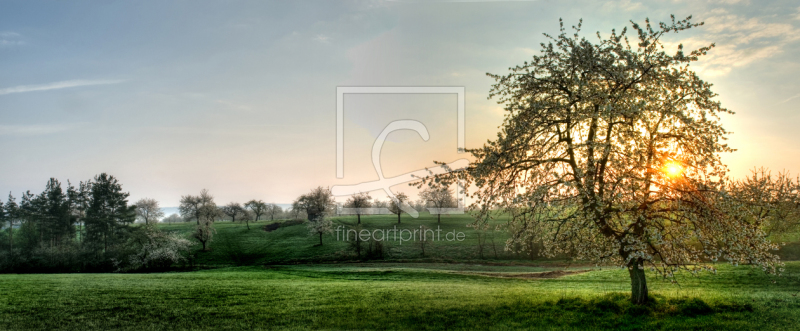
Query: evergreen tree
point(78, 204)
point(108, 217)
point(11, 215)
point(55, 221)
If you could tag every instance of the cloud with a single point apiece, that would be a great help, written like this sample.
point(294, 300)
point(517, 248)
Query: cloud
point(8, 38)
point(234, 105)
point(739, 41)
point(625, 5)
point(791, 98)
point(35, 129)
point(55, 86)
point(322, 38)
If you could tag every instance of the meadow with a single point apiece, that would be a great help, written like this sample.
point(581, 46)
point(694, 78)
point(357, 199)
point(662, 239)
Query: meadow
point(255, 279)
point(394, 297)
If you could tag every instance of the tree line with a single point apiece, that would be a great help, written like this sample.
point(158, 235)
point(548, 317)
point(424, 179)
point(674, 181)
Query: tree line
point(83, 227)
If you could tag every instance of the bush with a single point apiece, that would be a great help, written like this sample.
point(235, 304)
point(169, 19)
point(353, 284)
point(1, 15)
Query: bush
point(152, 249)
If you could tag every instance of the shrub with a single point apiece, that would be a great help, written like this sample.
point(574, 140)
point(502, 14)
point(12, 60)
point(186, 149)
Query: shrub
point(152, 249)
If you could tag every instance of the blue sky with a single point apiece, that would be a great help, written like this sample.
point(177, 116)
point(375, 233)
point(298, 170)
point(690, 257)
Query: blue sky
point(239, 97)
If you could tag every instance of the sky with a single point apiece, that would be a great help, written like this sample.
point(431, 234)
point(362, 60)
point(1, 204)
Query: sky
point(239, 97)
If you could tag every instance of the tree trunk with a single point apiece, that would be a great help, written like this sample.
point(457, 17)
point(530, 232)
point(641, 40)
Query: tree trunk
point(638, 283)
point(359, 218)
point(398, 218)
point(438, 218)
point(248, 224)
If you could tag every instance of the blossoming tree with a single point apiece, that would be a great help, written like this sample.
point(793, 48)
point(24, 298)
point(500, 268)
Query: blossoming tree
point(610, 152)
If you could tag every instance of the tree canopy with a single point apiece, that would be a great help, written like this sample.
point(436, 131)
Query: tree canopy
point(610, 152)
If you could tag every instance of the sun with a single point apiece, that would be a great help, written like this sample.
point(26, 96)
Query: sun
point(673, 169)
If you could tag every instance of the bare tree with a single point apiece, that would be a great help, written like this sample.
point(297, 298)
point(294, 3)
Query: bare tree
point(440, 197)
point(273, 211)
point(425, 242)
point(190, 205)
point(173, 218)
point(395, 205)
point(234, 210)
point(148, 211)
point(359, 203)
point(258, 208)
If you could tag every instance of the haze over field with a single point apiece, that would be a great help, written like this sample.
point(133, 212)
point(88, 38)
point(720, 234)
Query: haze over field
point(241, 100)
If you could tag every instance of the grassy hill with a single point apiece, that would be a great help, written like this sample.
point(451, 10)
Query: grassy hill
point(234, 244)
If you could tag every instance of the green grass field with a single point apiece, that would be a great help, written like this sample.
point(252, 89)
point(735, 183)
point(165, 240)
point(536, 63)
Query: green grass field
point(281, 280)
point(394, 296)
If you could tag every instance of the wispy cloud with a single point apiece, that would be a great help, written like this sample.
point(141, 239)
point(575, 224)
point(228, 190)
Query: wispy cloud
point(626, 5)
point(322, 38)
point(740, 41)
point(55, 86)
point(791, 98)
point(35, 129)
point(8, 38)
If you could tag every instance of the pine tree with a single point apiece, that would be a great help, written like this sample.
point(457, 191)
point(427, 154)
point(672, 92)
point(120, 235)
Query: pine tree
point(108, 217)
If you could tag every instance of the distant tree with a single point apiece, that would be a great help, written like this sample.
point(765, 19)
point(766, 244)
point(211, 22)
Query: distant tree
point(3, 218)
point(395, 205)
point(173, 218)
point(273, 211)
point(79, 203)
point(317, 203)
point(190, 205)
point(319, 226)
point(439, 197)
point(380, 204)
point(359, 203)
point(296, 212)
point(11, 215)
point(206, 215)
point(29, 230)
point(257, 207)
point(52, 213)
point(148, 211)
point(772, 201)
point(108, 216)
point(425, 242)
point(234, 210)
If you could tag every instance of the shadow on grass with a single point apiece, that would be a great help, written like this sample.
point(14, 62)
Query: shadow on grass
point(612, 311)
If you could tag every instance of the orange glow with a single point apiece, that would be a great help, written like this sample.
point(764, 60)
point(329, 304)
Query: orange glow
point(673, 169)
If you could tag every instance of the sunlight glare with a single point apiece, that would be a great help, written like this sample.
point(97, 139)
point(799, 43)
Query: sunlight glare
point(673, 169)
